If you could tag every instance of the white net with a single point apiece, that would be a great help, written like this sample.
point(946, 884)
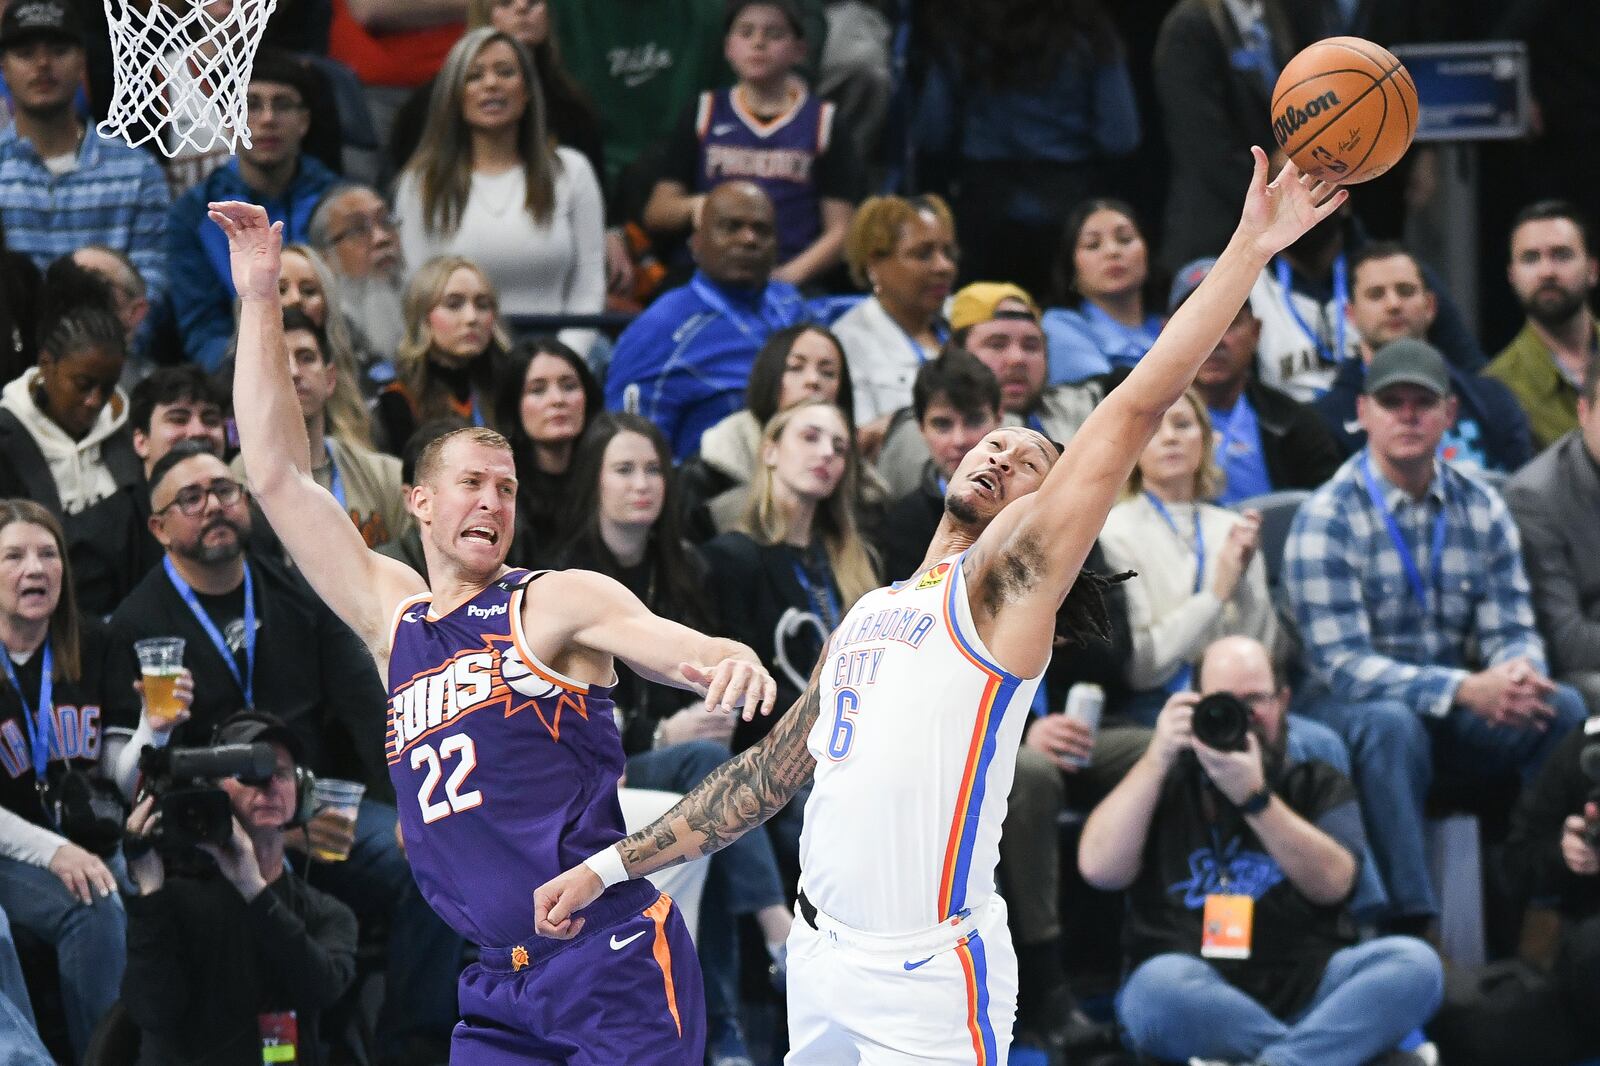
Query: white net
point(182, 68)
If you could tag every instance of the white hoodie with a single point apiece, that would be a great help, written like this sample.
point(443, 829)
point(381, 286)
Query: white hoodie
point(79, 471)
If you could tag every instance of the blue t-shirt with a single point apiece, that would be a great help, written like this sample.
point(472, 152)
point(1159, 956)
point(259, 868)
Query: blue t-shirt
point(1086, 342)
point(1237, 439)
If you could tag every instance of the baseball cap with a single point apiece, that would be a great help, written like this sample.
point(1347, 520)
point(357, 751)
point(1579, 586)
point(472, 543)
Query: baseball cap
point(26, 20)
point(251, 727)
point(1407, 362)
point(1188, 279)
point(977, 303)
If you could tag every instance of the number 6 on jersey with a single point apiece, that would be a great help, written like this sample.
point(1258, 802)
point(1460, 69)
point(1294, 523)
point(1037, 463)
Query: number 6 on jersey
point(843, 734)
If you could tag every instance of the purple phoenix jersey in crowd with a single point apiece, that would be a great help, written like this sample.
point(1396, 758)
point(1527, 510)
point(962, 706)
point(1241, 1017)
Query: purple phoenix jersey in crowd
point(780, 156)
point(506, 774)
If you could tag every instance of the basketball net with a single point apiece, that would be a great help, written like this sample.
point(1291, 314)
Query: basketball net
point(149, 38)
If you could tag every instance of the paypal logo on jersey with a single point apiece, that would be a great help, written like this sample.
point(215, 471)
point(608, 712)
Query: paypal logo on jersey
point(474, 611)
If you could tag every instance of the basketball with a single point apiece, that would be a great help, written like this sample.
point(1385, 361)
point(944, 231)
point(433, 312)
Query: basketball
point(1344, 110)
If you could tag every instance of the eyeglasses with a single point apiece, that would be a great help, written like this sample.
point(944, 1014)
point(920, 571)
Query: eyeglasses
point(362, 227)
point(191, 499)
point(281, 105)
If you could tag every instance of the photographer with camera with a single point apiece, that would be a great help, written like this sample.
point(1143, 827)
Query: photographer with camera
point(1239, 866)
point(60, 823)
point(257, 637)
point(230, 956)
point(1552, 855)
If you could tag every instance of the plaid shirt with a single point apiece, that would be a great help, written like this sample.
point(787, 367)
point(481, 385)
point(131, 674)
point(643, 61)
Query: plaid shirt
point(1366, 637)
point(116, 196)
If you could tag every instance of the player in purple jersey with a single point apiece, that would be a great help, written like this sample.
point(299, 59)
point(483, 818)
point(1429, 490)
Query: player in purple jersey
point(502, 746)
point(1020, 518)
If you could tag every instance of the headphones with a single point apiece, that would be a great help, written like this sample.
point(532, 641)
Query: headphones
point(251, 726)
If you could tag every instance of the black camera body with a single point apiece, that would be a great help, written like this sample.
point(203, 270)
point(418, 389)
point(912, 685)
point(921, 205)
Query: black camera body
point(193, 809)
point(1222, 722)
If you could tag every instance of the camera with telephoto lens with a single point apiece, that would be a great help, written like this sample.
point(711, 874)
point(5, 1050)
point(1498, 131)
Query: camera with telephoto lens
point(1222, 721)
point(193, 809)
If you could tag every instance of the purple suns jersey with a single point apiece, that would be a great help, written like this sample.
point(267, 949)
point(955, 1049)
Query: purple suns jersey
point(779, 155)
point(505, 773)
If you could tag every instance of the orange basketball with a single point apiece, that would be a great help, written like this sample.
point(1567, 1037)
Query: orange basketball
point(1344, 110)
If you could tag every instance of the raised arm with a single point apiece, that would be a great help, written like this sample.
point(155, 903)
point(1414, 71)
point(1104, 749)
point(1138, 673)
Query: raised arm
point(1067, 512)
point(360, 586)
point(599, 614)
point(733, 799)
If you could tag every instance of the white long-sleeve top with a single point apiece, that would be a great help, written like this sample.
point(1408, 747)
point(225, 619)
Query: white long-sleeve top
point(1171, 622)
point(549, 268)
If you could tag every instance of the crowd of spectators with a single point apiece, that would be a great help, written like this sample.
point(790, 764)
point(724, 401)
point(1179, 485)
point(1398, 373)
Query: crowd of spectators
point(742, 282)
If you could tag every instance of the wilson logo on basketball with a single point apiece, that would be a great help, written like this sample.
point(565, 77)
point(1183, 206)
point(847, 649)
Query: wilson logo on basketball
point(1293, 118)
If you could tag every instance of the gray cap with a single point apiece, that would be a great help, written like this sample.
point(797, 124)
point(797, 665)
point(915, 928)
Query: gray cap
point(1408, 362)
point(1188, 279)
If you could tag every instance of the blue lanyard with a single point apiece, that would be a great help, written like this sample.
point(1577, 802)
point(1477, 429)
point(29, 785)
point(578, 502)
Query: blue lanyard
point(336, 480)
point(827, 604)
point(1408, 561)
point(38, 723)
point(755, 332)
point(1341, 298)
point(1199, 538)
point(1225, 437)
point(247, 681)
point(477, 416)
point(940, 331)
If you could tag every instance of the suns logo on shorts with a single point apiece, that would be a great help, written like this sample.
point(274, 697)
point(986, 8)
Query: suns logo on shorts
point(933, 577)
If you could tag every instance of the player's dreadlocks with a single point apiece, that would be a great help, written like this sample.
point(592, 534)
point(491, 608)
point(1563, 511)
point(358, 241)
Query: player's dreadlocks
point(1083, 617)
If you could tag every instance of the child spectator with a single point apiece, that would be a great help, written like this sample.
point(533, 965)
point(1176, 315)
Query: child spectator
point(769, 129)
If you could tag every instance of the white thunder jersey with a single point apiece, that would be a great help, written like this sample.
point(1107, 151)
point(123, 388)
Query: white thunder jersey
point(916, 743)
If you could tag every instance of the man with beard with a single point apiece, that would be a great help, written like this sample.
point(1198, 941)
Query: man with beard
point(256, 638)
point(1238, 867)
point(1265, 440)
point(1302, 300)
point(1390, 298)
point(356, 234)
point(1553, 270)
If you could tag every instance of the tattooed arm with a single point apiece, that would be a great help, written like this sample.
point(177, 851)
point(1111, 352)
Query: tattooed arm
point(733, 799)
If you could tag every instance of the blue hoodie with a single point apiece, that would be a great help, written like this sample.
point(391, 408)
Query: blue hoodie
point(197, 251)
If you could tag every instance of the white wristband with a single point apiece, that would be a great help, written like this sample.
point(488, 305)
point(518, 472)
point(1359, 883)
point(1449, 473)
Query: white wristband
point(607, 866)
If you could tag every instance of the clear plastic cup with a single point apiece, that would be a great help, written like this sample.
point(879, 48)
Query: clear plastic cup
point(342, 798)
point(160, 666)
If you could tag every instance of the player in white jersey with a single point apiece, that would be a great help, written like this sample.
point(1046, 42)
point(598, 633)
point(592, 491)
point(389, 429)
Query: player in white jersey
point(911, 721)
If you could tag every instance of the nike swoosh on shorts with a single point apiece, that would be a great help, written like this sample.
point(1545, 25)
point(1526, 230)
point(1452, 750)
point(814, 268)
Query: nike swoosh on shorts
point(618, 945)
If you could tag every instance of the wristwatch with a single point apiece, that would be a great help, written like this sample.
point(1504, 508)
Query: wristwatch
point(1256, 802)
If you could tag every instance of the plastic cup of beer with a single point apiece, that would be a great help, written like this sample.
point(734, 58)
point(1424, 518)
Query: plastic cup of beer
point(160, 666)
point(343, 799)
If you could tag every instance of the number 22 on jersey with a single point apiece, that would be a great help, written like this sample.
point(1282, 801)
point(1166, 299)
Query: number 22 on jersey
point(455, 801)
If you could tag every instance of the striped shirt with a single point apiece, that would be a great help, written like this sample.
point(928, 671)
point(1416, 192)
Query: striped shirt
point(115, 196)
point(1366, 636)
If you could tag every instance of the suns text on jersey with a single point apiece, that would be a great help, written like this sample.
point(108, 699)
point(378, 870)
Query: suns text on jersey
point(433, 699)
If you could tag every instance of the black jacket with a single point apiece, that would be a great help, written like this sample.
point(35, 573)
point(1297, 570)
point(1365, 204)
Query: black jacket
point(311, 671)
point(203, 963)
point(106, 541)
point(1533, 864)
point(1501, 427)
point(1299, 451)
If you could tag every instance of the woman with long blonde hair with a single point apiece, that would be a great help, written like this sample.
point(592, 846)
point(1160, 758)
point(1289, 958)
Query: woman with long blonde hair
point(798, 562)
point(450, 362)
point(485, 179)
point(1200, 577)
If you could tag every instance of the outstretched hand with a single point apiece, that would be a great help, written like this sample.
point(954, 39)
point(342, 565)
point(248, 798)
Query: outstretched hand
point(1280, 212)
point(731, 684)
point(254, 247)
